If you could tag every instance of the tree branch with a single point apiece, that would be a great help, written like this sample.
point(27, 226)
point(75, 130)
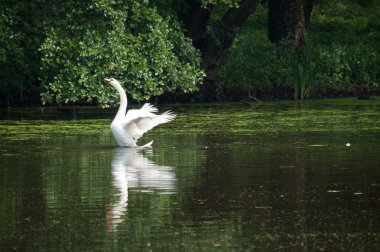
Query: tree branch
point(195, 20)
point(214, 51)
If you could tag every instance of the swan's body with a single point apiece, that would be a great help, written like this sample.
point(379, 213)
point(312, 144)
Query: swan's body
point(128, 127)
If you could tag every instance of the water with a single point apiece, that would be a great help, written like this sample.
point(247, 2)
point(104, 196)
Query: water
point(274, 176)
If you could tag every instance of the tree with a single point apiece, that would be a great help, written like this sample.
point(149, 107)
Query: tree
point(287, 28)
point(148, 50)
point(212, 25)
point(89, 40)
point(74, 45)
point(213, 28)
point(21, 34)
point(286, 21)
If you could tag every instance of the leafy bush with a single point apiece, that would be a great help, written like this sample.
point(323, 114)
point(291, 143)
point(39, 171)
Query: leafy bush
point(251, 64)
point(11, 54)
point(129, 41)
point(19, 40)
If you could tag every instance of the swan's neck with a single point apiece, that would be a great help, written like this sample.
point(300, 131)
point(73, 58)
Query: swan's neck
point(123, 102)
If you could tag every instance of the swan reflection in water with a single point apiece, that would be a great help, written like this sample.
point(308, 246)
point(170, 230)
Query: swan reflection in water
point(131, 169)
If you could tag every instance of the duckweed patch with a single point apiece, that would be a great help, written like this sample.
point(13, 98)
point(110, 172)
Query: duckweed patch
point(278, 118)
point(349, 116)
point(43, 129)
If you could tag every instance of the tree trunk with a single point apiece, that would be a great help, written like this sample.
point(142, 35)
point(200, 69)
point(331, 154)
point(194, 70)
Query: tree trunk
point(214, 45)
point(307, 9)
point(214, 49)
point(195, 20)
point(287, 21)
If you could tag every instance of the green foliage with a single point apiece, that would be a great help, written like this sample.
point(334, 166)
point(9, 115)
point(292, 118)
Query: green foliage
point(348, 35)
point(21, 34)
point(66, 48)
point(253, 61)
point(14, 65)
point(302, 65)
point(10, 51)
point(302, 72)
point(341, 54)
point(129, 41)
point(230, 3)
point(253, 64)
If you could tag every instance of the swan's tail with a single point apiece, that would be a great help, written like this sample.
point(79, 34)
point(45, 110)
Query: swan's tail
point(148, 145)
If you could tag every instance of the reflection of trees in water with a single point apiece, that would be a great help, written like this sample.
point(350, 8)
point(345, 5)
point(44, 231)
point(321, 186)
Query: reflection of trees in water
point(253, 183)
point(212, 194)
point(23, 207)
point(131, 169)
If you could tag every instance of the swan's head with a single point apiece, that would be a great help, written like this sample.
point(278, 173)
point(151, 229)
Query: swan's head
point(111, 81)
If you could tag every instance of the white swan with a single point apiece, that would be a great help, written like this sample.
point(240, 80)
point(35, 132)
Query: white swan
point(128, 127)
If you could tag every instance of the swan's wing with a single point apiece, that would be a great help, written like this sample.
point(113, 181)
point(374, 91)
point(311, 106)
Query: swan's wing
point(145, 111)
point(148, 123)
point(142, 120)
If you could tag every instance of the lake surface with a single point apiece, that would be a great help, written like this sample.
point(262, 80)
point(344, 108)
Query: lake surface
point(221, 177)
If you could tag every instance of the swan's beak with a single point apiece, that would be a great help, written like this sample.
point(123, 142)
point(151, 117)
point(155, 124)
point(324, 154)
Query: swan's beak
point(107, 79)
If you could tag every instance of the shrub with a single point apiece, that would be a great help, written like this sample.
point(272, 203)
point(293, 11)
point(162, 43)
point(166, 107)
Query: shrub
point(129, 41)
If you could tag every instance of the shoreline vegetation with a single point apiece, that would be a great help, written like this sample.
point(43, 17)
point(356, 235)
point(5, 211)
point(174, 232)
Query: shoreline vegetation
point(161, 56)
point(76, 111)
point(247, 97)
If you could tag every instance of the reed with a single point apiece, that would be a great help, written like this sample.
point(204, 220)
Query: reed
point(302, 70)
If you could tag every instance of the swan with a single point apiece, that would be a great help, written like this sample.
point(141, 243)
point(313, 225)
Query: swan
point(128, 127)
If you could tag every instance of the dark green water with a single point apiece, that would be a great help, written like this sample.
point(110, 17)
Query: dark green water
point(221, 177)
